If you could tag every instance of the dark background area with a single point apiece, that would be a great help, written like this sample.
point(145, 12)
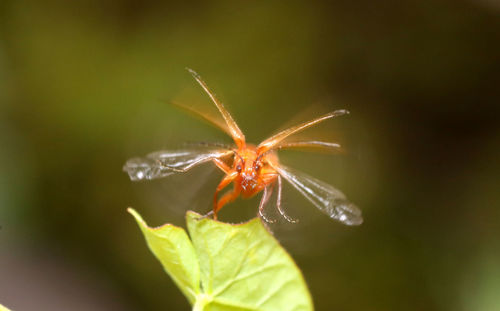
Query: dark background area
point(79, 94)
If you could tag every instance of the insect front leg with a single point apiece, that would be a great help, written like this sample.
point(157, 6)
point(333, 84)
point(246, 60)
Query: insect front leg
point(228, 197)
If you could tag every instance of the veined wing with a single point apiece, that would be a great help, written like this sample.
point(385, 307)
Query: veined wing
point(325, 197)
point(274, 140)
point(163, 163)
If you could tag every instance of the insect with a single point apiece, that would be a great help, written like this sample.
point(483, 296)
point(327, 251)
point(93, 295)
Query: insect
point(251, 169)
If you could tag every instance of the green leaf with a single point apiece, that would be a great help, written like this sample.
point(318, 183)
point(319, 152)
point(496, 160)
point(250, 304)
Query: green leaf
point(2, 308)
point(228, 267)
point(172, 247)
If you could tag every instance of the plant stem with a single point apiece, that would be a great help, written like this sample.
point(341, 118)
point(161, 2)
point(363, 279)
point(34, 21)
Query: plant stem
point(200, 303)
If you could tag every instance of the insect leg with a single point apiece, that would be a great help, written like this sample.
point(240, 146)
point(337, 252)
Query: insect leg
point(263, 201)
point(226, 198)
point(278, 205)
point(225, 181)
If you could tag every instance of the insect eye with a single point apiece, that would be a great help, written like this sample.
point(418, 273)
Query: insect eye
point(238, 168)
point(257, 166)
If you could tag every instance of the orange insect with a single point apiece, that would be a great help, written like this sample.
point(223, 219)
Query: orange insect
point(252, 169)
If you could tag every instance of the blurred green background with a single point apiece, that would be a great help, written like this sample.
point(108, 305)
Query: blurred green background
point(81, 90)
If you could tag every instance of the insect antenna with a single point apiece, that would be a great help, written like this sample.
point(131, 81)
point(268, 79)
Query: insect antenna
point(261, 155)
point(239, 156)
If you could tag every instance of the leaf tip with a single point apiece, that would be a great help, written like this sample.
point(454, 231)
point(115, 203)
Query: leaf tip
point(137, 217)
point(194, 217)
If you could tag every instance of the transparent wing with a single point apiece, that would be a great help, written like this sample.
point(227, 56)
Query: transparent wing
point(163, 163)
point(325, 197)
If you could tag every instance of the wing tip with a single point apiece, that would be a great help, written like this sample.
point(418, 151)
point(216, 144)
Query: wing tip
point(348, 214)
point(340, 112)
